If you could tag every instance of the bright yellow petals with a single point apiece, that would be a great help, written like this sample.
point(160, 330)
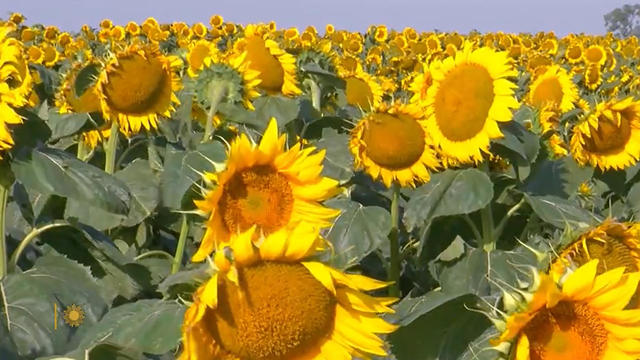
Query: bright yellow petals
point(137, 86)
point(584, 319)
point(277, 68)
point(15, 84)
point(595, 54)
point(469, 96)
point(270, 304)
point(265, 185)
point(554, 88)
point(609, 137)
point(393, 144)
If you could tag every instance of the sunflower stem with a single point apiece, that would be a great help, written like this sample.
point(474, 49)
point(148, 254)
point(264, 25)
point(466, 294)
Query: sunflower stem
point(316, 95)
point(394, 243)
point(184, 232)
point(82, 149)
point(13, 262)
point(4, 197)
point(217, 92)
point(112, 146)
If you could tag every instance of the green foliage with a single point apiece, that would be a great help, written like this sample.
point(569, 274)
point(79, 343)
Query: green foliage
point(624, 21)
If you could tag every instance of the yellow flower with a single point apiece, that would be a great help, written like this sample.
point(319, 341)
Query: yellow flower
point(277, 68)
point(469, 96)
point(593, 76)
point(573, 53)
point(69, 101)
point(393, 144)
point(584, 319)
point(553, 88)
point(609, 137)
point(15, 84)
point(275, 189)
point(614, 244)
point(595, 55)
point(361, 89)
point(268, 302)
point(136, 86)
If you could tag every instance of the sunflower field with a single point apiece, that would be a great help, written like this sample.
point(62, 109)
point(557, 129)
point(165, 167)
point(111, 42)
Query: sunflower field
point(244, 192)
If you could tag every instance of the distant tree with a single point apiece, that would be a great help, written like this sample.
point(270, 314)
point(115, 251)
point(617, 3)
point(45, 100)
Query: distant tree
point(624, 21)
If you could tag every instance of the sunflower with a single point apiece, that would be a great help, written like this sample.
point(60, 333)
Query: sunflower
point(595, 55)
point(555, 88)
point(268, 302)
point(137, 86)
point(278, 190)
point(69, 100)
point(609, 137)
point(277, 68)
point(584, 319)
point(573, 53)
point(470, 94)
point(614, 244)
point(592, 76)
point(362, 90)
point(420, 84)
point(15, 84)
point(393, 144)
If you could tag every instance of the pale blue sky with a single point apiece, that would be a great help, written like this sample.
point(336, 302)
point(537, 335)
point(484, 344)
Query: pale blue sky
point(561, 16)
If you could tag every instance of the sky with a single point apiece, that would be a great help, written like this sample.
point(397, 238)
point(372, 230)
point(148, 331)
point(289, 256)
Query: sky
point(560, 16)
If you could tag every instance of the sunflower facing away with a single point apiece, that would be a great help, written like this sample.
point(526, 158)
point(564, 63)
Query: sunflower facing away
point(614, 244)
point(583, 319)
point(69, 100)
point(609, 137)
point(15, 84)
point(469, 95)
point(553, 88)
point(137, 86)
point(268, 302)
point(393, 144)
point(265, 185)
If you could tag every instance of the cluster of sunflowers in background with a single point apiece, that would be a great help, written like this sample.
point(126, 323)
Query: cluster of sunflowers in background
point(226, 191)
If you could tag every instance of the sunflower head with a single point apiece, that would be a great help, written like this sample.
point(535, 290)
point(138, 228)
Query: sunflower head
point(595, 54)
point(553, 88)
point(581, 317)
point(470, 95)
point(79, 96)
point(137, 86)
point(362, 90)
point(393, 144)
point(609, 136)
point(266, 302)
point(277, 190)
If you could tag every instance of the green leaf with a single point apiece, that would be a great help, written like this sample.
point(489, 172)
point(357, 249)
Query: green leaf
point(63, 125)
point(281, 108)
point(560, 212)
point(30, 299)
point(523, 144)
point(174, 284)
point(358, 231)
point(560, 177)
point(86, 78)
point(450, 192)
point(338, 161)
point(633, 199)
point(51, 171)
point(183, 168)
point(440, 334)
point(144, 187)
point(150, 326)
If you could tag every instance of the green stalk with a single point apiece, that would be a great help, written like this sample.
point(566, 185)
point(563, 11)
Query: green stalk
point(394, 243)
point(82, 149)
point(4, 197)
point(13, 262)
point(112, 146)
point(217, 92)
point(182, 240)
point(316, 95)
point(486, 216)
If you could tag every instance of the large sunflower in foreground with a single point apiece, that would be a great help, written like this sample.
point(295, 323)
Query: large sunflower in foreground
point(268, 302)
point(614, 244)
point(277, 68)
point(469, 95)
point(583, 319)
point(553, 88)
point(609, 137)
point(137, 86)
point(393, 143)
point(15, 84)
point(275, 189)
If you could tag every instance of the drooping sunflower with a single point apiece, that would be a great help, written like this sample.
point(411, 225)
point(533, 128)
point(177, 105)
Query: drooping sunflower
point(470, 94)
point(15, 84)
point(614, 244)
point(268, 302)
point(362, 90)
point(583, 319)
point(277, 68)
point(137, 85)
point(69, 100)
point(609, 137)
point(553, 88)
point(393, 144)
point(592, 76)
point(265, 185)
